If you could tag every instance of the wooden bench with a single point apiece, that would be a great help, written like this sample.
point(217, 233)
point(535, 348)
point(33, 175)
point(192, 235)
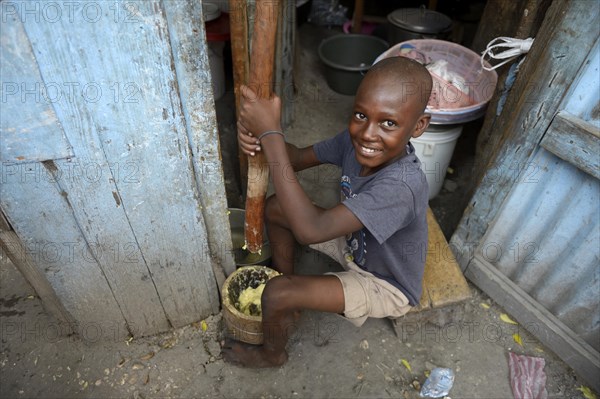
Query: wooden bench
point(444, 284)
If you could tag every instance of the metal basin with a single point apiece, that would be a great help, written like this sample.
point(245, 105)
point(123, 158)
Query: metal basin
point(241, 256)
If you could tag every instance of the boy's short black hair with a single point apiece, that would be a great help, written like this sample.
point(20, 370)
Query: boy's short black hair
point(404, 71)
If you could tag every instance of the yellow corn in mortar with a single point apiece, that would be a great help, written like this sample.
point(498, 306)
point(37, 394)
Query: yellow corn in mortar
point(249, 300)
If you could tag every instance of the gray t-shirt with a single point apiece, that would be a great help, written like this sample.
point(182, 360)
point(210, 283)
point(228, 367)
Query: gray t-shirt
point(392, 205)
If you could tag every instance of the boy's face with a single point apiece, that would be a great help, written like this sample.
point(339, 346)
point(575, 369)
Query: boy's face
point(384, 118)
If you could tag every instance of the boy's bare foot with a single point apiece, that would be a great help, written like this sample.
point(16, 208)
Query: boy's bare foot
point(251, 356)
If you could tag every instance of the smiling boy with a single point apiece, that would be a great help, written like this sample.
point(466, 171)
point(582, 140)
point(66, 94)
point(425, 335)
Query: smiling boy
point(378, 233)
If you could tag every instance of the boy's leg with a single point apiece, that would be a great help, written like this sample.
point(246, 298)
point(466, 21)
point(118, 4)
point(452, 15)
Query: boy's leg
point(282, 296)
point(281, 239)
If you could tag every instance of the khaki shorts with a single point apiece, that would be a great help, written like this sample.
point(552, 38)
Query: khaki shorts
point(364, 294)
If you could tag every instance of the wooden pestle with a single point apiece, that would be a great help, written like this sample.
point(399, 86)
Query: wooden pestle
point(262, 59)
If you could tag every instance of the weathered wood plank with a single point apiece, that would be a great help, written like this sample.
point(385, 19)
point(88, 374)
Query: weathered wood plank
point(284, 60)
point(583, 99)
point(163, 209)
point(540, 322)
point(443, 277)
point(17, 253)
point(561, 46)
point(193, 75)
point(42, 218)
point(4, 225)
point(91, 182)
point(131, 114)
point(574, 140)
point(29, 127)
point(443, 282)
point(519, 19)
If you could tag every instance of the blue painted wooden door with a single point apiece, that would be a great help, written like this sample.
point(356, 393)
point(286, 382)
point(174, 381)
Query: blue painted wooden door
point(111, 173)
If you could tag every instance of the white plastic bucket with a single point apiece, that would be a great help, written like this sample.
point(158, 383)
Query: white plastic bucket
point(434, 148)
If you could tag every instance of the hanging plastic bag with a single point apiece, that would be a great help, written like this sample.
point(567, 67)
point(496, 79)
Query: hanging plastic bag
point(512, 49)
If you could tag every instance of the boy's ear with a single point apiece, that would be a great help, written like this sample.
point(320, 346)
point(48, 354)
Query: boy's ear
point(422, 125)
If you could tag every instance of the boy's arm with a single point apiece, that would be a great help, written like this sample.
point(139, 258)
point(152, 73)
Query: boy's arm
point(302, 158)
point(309, 223)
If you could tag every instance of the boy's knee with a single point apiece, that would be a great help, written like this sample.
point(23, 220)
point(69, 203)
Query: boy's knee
point(273, 212)
point(275, 296)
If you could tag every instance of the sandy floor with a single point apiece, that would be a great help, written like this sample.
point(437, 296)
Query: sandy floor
point(328, 356)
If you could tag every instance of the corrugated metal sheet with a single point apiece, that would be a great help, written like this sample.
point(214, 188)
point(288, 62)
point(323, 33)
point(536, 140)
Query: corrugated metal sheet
point(548, 242)
point(534, 221)
point(546, 238)
point(584, 98)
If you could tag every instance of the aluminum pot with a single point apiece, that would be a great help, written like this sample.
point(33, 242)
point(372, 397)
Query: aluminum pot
point(417, 23)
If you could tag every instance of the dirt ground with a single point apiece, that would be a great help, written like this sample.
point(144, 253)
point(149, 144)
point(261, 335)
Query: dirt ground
point(329, 357)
